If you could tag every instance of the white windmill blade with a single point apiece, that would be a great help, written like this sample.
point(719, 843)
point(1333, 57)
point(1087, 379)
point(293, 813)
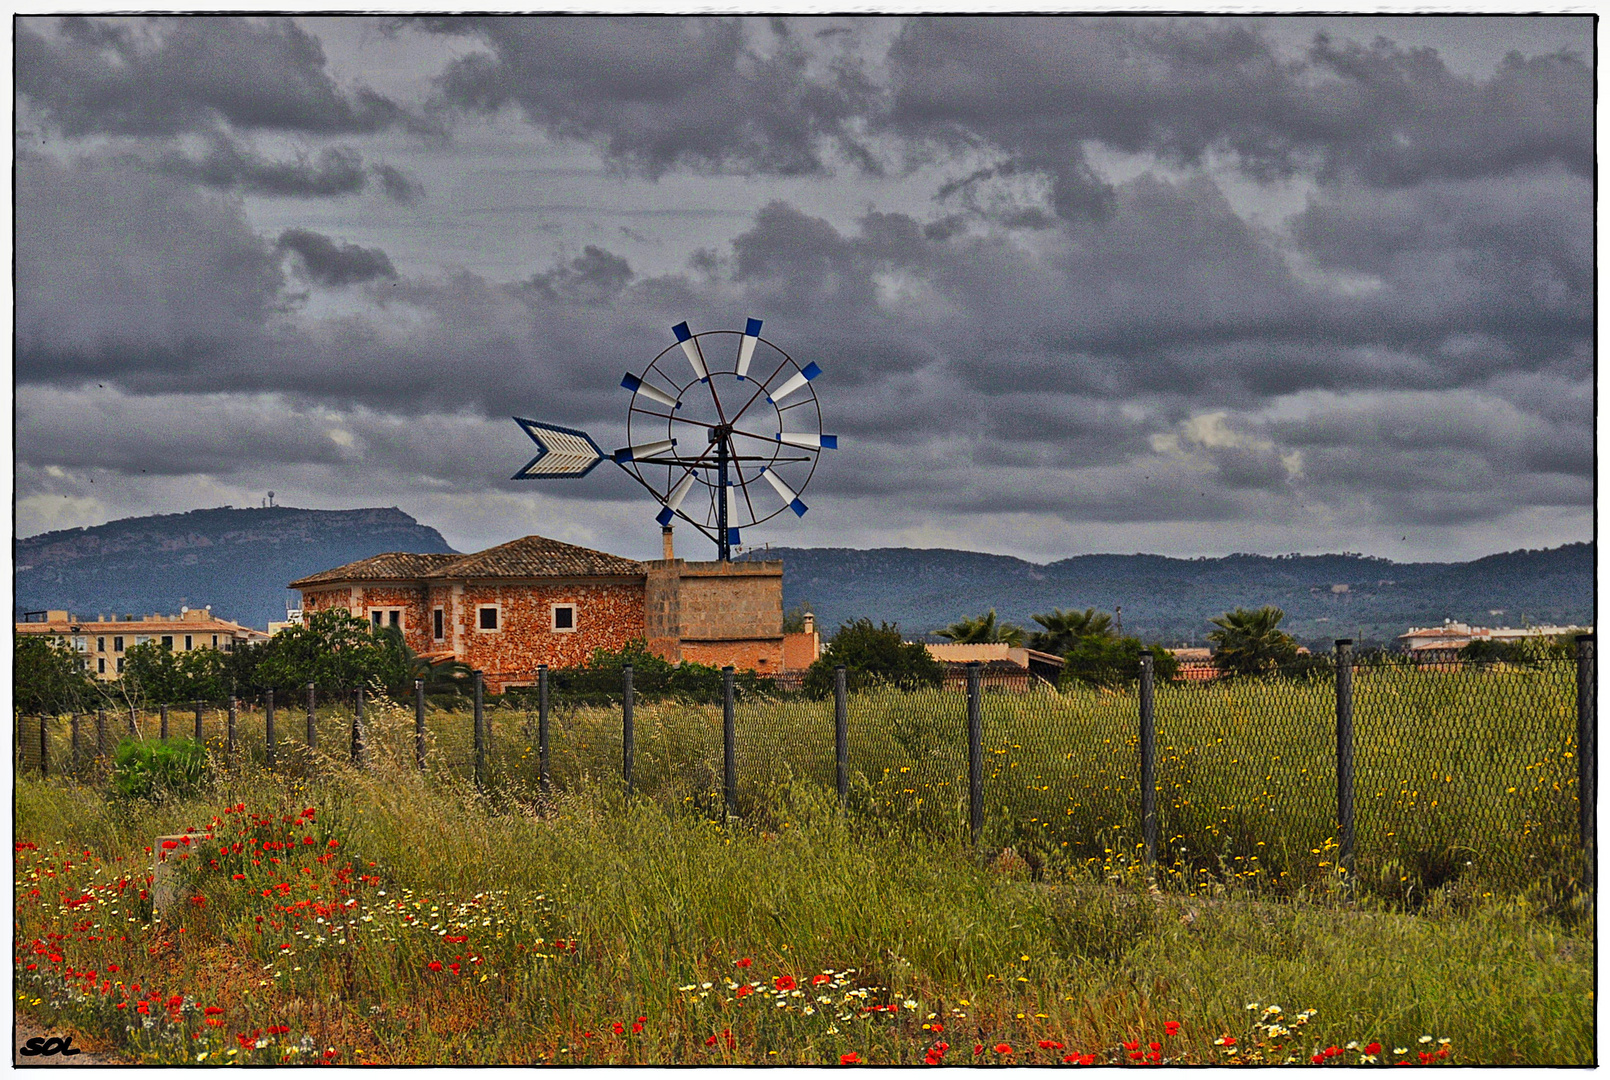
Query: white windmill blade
point(746, 347)
point(673, 502)
point(690, 348)
point(732, 513)
point(644, 450)
point(797, 382)
point(808, 441)
point(638, 386)
point(562, 453)
point(785, 491)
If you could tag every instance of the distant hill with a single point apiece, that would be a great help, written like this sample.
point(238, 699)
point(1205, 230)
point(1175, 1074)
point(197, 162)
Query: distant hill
point(1171, 600)
point(238, 561)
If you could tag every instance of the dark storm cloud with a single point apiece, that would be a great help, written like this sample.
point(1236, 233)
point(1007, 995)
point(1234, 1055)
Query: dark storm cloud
point(228, 166)
point(327, 263)
point(397, 184)
point(1180, 89)
point(168, 76)
point(658, 93)
point(593, 277)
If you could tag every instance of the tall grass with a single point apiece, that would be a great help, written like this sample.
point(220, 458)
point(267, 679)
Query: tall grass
point(534, 927)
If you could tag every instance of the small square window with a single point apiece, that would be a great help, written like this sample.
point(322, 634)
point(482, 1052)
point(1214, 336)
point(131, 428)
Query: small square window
point(437, 621)
point(564, 618)
point(489, 618)
point(167, 641)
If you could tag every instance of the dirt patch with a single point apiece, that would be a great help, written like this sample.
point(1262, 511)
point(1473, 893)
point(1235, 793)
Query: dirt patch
point(90, 1052)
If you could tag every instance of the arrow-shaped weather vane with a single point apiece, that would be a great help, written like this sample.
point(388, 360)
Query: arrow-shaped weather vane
point(707, 438)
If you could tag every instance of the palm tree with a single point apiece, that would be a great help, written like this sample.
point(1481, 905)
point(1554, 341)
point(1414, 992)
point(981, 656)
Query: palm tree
point(1250, 642)
point(1063, 629)
point(982, 630)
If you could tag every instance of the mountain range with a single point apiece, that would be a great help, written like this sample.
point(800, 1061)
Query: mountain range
point(239, 561)
point(236, 560)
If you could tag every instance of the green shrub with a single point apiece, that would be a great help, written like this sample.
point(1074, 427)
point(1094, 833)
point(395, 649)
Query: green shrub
point(143, 770)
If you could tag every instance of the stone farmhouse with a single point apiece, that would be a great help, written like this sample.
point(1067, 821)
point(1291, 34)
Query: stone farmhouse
point(505, 610)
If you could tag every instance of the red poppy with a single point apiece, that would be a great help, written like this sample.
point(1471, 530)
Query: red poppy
point(745, 991)
point(784, 982)
point(978, 1048)
point(1132, 1046)
point(937, 1027)
point(818, 980)
point(852, 1058)
point(1333, 1051)
point(1154, 1047)
point(711, 1041)
point(435, 965)
point(1171, 1027)
point(745, 962)
point(1047, 1044)
point(1318, 1059)
point(211, 1010)
point(333, 843)
point(240, 877)
point(1373, 1048)
point(1002, 1048)
point(620, 1028)
point(1229, 1040)
point(637, 1027)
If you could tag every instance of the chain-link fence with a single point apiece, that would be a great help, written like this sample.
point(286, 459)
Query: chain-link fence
point(1402, 772)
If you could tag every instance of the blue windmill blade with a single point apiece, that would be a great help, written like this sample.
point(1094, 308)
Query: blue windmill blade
point(562, 453)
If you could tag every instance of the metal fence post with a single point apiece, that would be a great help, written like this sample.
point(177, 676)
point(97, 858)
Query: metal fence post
point(229, 730)
point(627, 733)
point(312, 716)
point(841, 733)
point(1148, 758)
point(975, 749)
point(359, 750)
point(1587, 755)
point(268, 727)
point(544, 778)
point(200, 738)
point(729, 751)
point(164, 728)
point(100, 732)
point(419, 723)
point(480, 733)
point(1344, 755)
point(44, 752)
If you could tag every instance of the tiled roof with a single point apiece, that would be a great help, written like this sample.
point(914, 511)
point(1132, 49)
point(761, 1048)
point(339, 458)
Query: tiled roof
point(537, 556)
point(387, 567)
point(527, 557)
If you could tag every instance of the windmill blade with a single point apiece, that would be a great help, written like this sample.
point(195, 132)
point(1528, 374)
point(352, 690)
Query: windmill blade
point(691, 349)
point(673, 502)
point(785, 491)
point(643, 450)
point(562, 453)
point(732, 513)
point(638, 386)
point(809, 442)
point(746, 347)
point(797, 382)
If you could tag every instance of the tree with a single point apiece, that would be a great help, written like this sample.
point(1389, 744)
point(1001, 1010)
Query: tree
point(337, 651)
point(1249, 642)
point(1108, 660)
point(872, 655)
point(982, 630)
point(48, 679)
point(794, 618)
point(1064, 629)
point(161, 676)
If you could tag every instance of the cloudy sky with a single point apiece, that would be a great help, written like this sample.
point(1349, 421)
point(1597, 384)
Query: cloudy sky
point(1188, 286)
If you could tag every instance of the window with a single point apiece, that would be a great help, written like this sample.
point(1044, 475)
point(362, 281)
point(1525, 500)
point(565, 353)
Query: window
point(396, 619)
point(437, 621)
point(100, 644)
point(117, 646)
point(81, 644)
point(167, 641)
point(215, 641)
point(489, 618)
point(564, 618)
point(376, 617)
point(120, 665)
point(141, 639)
point(188, 643)
point(100, 666)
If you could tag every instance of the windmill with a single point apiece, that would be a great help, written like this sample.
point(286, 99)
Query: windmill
point(702, 435)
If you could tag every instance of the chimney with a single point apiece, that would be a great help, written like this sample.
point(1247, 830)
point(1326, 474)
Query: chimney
point(810, 623)
point(665, 536)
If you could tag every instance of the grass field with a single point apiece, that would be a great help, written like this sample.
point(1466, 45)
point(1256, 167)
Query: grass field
point(382, 916)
